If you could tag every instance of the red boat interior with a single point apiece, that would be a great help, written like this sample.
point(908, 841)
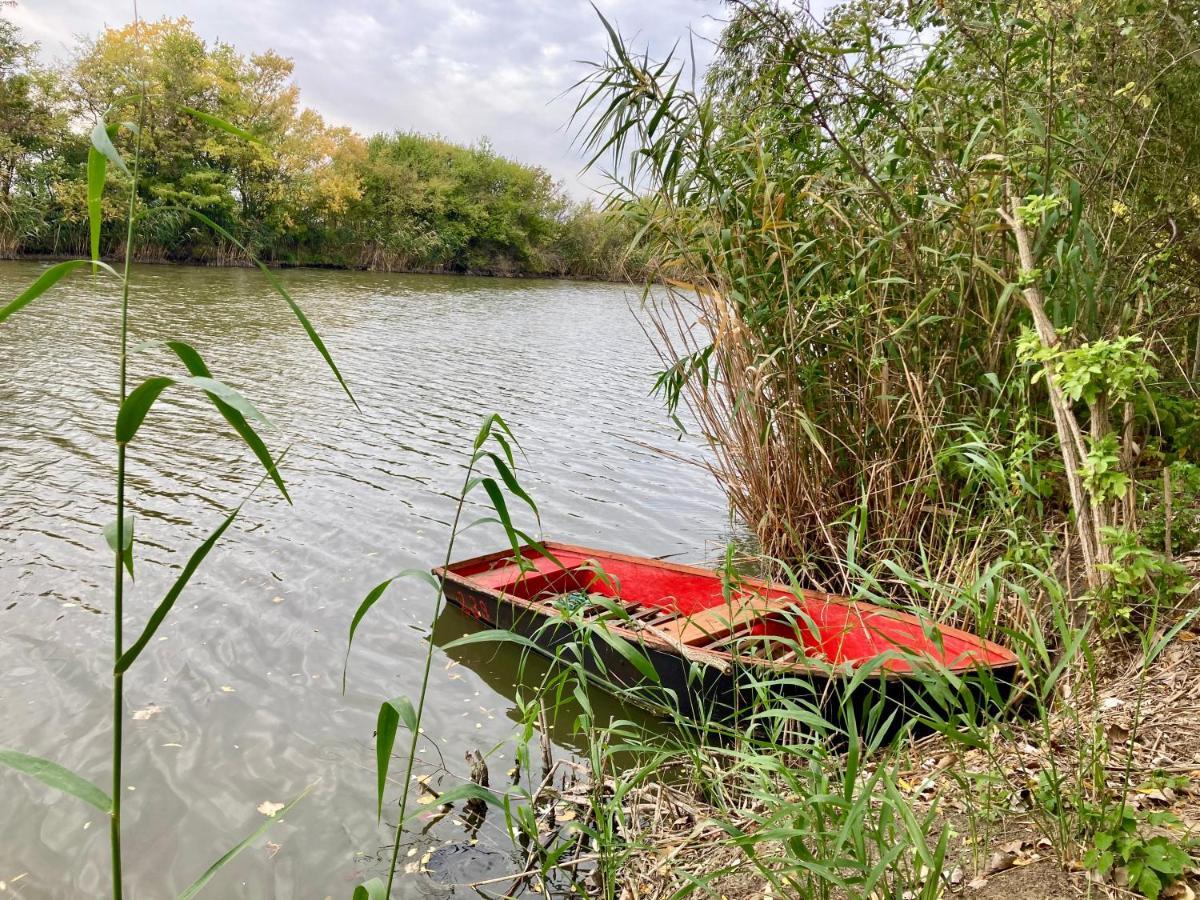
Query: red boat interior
point(693, 608)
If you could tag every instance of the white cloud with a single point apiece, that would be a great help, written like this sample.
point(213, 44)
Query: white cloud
point(464, 69)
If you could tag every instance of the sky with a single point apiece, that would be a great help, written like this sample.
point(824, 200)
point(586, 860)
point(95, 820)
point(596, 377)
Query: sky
point(463, 69)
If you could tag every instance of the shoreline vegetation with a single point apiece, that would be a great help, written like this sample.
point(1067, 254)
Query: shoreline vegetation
point(943, 259)
point(300, 192)
point(616, 278)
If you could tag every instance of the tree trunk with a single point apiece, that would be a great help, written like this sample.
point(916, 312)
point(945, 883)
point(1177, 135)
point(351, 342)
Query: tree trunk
point(1088, 518)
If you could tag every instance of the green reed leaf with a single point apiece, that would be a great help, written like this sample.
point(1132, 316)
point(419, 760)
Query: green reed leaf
point(199, 884)
point(501, 507)
point(160, 612)
point(55, 776)
point(197, 367)
point(133, 411)
point(102, 143)
point(370, 890)
point(408, 715)
point(492, 635)
point(52, 276)
point(532, 543)
point(110, 535)
point(391, 714)
point(218, 390)
point(510, 481)
point(638, 660)
point(496, 428)
point(97, 171)
point(217, 122)
point(370, 600)
point(136, 406)
point(385, 739)
point(313, 337)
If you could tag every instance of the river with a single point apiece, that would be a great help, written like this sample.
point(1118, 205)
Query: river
point(238, 699)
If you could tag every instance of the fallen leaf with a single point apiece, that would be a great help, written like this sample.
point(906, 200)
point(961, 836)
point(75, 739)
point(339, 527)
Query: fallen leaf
point(272, 849)
point(149, 712)
point(1000, 861)
point(1163, 795)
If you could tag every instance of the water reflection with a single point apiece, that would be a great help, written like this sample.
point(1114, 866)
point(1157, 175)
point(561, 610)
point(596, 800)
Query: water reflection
point(507, 671)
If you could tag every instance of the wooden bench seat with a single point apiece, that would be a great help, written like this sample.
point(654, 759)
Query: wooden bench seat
point(720, 622)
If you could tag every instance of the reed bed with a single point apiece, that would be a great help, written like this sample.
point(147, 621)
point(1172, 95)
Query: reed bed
point(857, 218)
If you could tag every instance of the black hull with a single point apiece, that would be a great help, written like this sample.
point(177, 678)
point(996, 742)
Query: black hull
point(877, 706)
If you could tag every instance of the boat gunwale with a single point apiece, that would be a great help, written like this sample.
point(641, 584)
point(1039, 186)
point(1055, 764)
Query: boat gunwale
point(724, 657)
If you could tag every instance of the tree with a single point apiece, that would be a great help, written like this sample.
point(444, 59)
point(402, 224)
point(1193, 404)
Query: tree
point(31, 126)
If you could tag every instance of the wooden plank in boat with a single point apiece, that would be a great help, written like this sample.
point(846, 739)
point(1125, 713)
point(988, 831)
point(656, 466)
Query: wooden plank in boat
point(721, 621)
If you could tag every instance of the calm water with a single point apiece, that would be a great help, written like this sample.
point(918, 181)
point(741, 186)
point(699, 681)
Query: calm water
point(238, 701)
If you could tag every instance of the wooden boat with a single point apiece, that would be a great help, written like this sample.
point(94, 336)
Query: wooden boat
point(712, 643)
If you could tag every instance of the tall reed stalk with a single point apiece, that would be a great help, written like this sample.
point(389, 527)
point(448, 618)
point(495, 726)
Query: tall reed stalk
point(118, 688)
point(134, 404)
point(493, 431)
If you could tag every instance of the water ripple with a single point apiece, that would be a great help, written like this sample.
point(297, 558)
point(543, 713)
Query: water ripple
point(245, 675)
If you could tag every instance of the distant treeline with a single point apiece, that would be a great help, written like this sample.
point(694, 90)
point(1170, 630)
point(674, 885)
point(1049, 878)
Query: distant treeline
point(305, 192)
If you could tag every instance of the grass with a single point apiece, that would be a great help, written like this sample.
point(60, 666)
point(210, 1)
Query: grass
point(804, 799)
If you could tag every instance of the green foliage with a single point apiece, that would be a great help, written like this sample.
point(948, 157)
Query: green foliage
point(1141, 581)
point(1101, 471)
point(1036, 207)
point(55, 776)
point(1148, 864)
point(429, 204)
point(1113, 367)
point(1185, 511)
point(828, 200)
point(1172, 423)
point(224, 134)
point(494, 431)
point(391, 713)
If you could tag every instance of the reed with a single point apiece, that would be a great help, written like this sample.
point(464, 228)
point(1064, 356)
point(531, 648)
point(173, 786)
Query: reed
point(493, 447)
point(134, 405)
point(857, 218)
point(798, 796)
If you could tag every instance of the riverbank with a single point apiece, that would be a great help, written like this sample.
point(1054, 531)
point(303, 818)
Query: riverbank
point(989, 809)
point(637, 279)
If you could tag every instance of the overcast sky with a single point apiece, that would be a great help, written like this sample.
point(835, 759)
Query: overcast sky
point(464, 69)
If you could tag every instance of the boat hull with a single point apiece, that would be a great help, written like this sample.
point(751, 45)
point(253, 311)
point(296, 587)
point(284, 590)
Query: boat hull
point(720, 687)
